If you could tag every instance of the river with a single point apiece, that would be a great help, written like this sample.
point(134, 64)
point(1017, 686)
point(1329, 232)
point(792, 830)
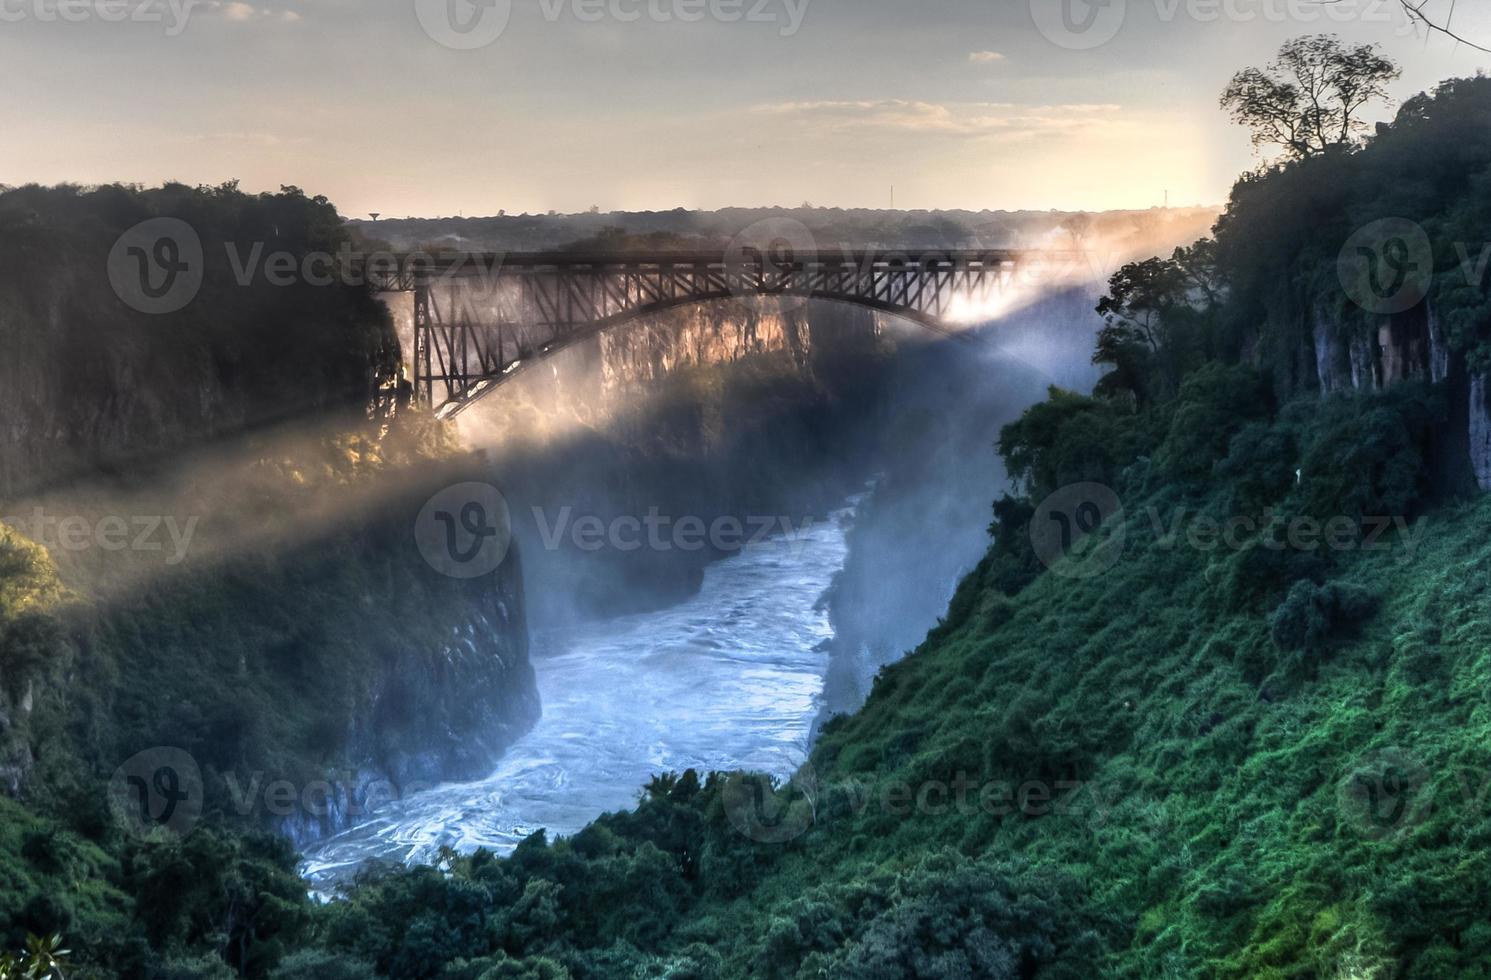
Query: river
point(729, 679)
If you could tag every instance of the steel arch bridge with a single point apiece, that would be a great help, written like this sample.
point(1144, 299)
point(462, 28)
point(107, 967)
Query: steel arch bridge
point(503, 312)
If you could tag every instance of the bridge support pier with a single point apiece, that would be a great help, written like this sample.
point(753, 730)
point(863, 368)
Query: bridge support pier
point(424, 384)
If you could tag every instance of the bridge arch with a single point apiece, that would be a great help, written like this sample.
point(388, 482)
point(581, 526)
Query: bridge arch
point(538, 304)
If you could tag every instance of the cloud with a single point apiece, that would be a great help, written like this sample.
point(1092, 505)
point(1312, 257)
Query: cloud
point(995, 120)
point(985, 57)
point(244, 13)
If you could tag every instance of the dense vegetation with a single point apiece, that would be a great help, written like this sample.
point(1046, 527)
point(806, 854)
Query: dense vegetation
point(88, 381)
point(1178, 772)
point(1173, 752)
point(1204, 758)
point(256, 647)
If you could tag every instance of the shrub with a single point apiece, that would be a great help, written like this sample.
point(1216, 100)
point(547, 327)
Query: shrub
point(1214, 404)
point(1364, 456)
point(1314, 616)
point(317, 964)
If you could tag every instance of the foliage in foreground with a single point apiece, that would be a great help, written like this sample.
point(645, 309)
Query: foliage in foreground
point(1159, 775)
point(1174, 753)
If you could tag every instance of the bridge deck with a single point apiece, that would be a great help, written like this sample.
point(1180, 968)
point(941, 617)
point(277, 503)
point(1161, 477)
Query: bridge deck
point(399, 271)
point(480, 317)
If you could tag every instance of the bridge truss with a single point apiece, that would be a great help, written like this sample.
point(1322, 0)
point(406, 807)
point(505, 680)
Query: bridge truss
point(479, 318)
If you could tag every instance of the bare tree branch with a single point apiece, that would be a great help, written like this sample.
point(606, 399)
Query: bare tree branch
point(1418, 15)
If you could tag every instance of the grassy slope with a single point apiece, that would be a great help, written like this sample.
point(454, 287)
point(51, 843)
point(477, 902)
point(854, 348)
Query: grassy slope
point(1233, 794)
point(1224, 843)
point(1212, 837)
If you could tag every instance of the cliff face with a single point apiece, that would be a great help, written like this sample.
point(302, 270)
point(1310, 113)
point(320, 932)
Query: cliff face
point(292, 635)
point(713, 335)
point(16, 759)
point(1480, 432)
point(87, 381)
point(331, 663)
point(442, 708)
point(1411, 346)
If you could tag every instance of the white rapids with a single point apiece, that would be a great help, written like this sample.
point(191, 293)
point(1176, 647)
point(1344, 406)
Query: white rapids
point(730, 679)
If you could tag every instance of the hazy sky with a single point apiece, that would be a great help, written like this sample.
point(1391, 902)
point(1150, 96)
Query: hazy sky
point(385, 106)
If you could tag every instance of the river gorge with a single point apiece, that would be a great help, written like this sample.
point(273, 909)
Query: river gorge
point(654, 660)
point(728, 679)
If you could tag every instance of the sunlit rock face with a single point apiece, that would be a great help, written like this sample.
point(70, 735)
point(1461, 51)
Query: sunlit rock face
point(592, 383)
point(1480, 431)
point(1332, 358)
point(443, 708)
point(1406, 346)
point(1409, 346)
point(15, 751)
point(1349, 358)
point(1439, 351)
point(720, 410)
point(700, 336)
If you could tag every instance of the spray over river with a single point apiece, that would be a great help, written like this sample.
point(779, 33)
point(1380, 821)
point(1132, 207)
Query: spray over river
point(732, 678)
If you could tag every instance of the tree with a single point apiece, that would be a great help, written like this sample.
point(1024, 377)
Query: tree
point(1309, 98)
point(1158, 321)
point(1139, 294)
point(1078, 226)
point(1198, 263)
point(1135, 310)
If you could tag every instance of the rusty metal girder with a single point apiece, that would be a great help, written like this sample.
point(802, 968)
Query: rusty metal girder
point(512, 309)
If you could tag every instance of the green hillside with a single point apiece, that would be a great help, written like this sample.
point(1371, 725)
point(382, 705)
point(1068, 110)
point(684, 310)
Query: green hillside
point(1239, 729)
